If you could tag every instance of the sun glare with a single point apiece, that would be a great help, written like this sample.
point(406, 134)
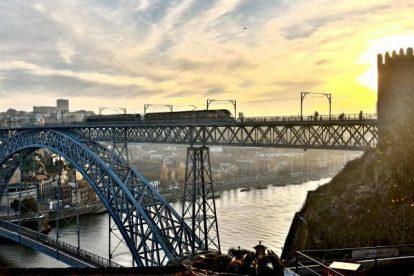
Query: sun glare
point(377, 46)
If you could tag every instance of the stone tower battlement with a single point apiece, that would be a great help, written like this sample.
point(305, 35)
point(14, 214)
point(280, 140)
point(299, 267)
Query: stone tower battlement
point(395, 58)
point(395, 90)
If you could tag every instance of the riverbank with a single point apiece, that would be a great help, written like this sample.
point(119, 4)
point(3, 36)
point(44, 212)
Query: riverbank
point(96, 208)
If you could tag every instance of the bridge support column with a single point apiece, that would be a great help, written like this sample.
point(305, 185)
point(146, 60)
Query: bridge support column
point(199, 208)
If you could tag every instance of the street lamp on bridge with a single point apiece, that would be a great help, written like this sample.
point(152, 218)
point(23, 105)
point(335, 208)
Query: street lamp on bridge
point(302, 98)
point(123, 109)
point(233, 102)
point(146, 106)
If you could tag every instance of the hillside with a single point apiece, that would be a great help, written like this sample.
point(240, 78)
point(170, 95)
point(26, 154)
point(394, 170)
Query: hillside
point(370, 202)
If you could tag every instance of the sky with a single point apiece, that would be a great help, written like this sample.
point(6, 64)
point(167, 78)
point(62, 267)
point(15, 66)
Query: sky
point(262, 53)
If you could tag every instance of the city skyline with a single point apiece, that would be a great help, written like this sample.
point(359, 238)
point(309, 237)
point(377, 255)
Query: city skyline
point(262, 54)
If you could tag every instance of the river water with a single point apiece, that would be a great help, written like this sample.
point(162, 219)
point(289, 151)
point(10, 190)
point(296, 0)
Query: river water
point(244, 219)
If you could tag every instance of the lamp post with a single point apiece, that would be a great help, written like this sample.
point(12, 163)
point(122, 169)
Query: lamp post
point(120, 108)
point(302, 98)
point(233, 102)
point(61, 115)
point(169, 106)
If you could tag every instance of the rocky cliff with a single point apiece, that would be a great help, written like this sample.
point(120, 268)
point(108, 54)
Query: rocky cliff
point(370, 202)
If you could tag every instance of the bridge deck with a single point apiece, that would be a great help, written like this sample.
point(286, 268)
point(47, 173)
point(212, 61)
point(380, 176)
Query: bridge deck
point(342, 134)
point(59, 250)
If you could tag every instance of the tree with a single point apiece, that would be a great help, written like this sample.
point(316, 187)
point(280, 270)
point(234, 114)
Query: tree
point(181, 173)
point(173, 177)
point(164, 181)
point(28, 205)
point(14, 205)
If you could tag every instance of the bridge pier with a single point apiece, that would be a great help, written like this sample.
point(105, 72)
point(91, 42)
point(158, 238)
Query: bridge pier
point(199, 208)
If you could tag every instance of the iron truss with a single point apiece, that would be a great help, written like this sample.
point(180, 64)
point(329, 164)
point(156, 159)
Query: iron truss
point(342, 135)
point(346, 135)
point(199, 210)
point(150, 227)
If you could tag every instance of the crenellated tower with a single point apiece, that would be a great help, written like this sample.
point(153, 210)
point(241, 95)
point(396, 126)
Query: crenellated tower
point(395, 91)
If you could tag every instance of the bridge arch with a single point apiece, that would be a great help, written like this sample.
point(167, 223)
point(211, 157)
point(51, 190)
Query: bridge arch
point(150, 227)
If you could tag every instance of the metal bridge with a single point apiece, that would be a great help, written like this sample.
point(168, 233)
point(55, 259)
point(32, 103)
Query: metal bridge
point(348, 133)
point(148, 226)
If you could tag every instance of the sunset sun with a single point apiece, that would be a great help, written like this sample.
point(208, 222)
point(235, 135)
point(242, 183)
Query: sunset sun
point(376, 46)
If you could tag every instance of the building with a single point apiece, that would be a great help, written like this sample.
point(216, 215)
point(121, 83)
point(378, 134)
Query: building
point(43, 115)
point(76, 116)
point(64, 195)
point(15, 179)
point(84, 194)
point(14, 117)
point(18, 192)
point(395, 91)
point(46, 110)
point(46, 186)
point(51, 114)
point(155, 184)
point(216, 149)
point(62, 105)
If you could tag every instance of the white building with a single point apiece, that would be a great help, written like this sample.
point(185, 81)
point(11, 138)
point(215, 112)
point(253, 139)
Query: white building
point(14, 192)
point(155, 184)
point(46, 185)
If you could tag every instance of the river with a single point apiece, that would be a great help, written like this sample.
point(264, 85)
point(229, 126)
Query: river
point(244, 219)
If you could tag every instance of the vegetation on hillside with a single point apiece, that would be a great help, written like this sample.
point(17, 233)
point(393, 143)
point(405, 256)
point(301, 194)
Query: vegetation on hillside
point(370, 202)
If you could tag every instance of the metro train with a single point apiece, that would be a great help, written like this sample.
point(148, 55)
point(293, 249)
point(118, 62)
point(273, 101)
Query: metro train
point(112, 118)
point(218, 115)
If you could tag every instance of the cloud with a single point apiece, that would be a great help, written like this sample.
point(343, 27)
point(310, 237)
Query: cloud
point(65, 50)
point(179, 94)
point(306, 28)
point(26, 83)
point(301, 85)
point(214, 91)
point(230, 64)
point(247, 84)
point(105, 52)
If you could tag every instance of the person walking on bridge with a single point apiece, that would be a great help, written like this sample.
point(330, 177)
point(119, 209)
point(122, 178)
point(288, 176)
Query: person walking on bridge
point(316, 115)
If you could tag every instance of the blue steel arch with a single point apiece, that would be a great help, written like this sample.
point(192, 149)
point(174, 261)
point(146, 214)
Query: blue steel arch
point(150, 227)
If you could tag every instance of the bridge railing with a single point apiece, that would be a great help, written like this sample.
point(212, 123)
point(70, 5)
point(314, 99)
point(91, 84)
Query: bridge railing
point(83, 254)
point(311, 118)
point(263, 119)
point(317, 260)
point(306, 264)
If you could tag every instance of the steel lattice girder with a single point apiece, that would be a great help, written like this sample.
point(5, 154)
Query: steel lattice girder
point(150, 227)
point(347, 135)
point(199, 209)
